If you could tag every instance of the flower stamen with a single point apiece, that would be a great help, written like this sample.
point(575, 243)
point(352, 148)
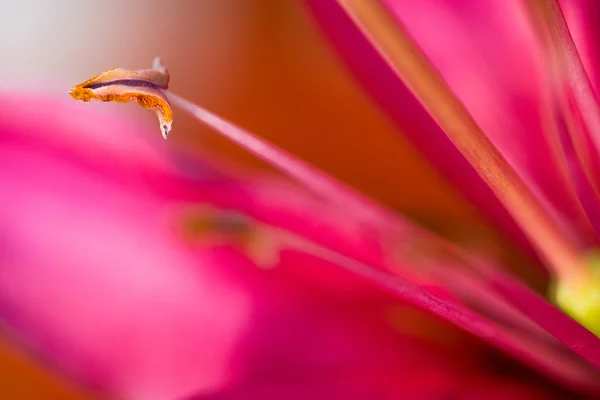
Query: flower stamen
point(145, 86)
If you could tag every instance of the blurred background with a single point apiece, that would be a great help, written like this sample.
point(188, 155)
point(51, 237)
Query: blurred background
point(259, 63)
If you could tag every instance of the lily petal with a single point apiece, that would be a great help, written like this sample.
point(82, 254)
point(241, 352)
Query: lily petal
point(91, 274)
point(582, 18)
point(96, 275)
point(432, 272)
point(492, 97)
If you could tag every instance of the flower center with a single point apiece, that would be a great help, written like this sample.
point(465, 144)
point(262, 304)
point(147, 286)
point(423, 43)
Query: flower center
point(581, 299)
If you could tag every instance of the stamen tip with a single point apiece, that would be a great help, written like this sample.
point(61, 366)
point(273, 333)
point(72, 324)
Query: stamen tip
point(165, 129)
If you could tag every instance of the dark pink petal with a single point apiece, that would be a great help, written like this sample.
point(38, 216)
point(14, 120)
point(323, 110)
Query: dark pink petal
point(583, 18)
point(415, 260)
point(96, 275)
point(487, 53)
point(555, 322)
point(467, 42)
point(291, 366)
point(428, 382)
point(574, 103)
point(92, 274)
point(579, 161)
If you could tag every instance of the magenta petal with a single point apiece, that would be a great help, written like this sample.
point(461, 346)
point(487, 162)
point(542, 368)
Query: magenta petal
point(589, 199)
point(322, 353)
point(94, 273)
point(553, 320)
point(94, 276)
point(583, 17)
point(575, 101)
point(503, 101)
point(500, 324)
point(91, 275)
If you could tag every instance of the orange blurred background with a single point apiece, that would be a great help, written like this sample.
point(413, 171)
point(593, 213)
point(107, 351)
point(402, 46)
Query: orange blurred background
point(260, 63)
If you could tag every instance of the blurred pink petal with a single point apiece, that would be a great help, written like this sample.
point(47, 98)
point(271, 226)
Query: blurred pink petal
point(437, 272)
point(91, 271)
point(97, 275)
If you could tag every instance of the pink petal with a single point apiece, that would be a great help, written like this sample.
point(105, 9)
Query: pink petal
point(95, 276)
point(555, 322)
point(413, 265)
point(467, 42)
point(582, 18)
point(574, 102)
point(91, 272)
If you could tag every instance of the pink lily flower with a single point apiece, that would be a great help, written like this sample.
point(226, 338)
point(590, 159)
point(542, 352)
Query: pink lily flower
point(147, 273)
